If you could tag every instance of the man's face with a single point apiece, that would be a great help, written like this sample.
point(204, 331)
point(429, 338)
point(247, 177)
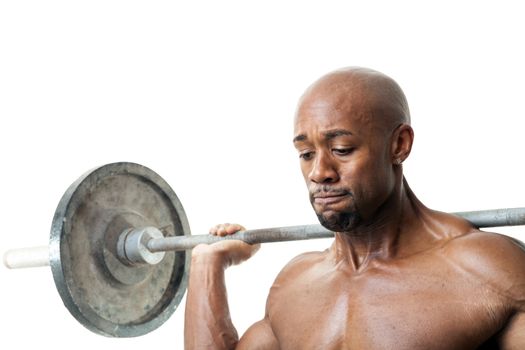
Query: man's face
point(345, 159)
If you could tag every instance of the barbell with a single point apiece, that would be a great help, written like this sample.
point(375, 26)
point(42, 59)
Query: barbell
point(119, 242)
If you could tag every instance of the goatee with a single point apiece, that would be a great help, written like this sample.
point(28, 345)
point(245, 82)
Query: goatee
point(340, 221)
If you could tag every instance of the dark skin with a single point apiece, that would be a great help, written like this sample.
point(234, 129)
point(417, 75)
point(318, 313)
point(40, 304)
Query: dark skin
point(397, 276)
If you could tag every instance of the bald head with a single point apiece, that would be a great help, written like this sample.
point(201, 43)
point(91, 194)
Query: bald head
point(352, 134)
point(359, 90)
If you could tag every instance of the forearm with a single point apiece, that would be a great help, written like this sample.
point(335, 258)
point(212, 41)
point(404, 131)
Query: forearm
point(207, 320)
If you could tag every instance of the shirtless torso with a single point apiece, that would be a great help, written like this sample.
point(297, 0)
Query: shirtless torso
point(459, 294)
point(398, 275)
point(407, 304)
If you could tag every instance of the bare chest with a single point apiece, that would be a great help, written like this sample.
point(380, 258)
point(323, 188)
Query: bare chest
point(395, 310)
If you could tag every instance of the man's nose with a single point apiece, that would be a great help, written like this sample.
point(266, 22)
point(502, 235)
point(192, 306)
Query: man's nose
point(323, 170)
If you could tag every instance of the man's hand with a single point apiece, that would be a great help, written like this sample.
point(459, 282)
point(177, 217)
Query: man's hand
point(228, 252)
point(208, 324)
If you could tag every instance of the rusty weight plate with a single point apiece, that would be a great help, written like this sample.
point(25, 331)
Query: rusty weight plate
point(105, 295)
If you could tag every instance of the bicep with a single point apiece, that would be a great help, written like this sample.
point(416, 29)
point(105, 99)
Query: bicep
point(259, 336)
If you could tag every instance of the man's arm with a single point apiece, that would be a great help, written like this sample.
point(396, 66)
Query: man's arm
point(207, 320)
point(259, 337)
point(499, 261)
point(513, 334)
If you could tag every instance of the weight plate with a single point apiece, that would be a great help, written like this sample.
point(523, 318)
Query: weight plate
point(104, 294)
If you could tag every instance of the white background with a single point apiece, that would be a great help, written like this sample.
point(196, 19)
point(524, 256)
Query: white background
point(204, 92)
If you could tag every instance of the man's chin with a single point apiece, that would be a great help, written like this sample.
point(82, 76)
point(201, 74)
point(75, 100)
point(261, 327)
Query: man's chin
point(339, 221)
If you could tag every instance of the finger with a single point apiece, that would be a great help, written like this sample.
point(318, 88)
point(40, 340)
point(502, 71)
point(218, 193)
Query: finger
point(225, 229)
point(222, 230)
point(213, 230)
point(218, 230)
point(232, 228)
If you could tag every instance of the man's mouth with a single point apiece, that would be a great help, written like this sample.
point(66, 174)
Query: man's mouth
point(329, 197)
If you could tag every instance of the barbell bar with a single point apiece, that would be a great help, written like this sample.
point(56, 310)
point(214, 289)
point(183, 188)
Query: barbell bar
point(119, 242)
point(480, 219)
point(143, 245)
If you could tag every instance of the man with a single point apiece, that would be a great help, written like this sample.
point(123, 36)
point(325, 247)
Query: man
point(397, 276)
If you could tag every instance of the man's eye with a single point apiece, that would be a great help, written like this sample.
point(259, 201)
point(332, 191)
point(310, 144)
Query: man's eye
point(306, 155)
point(342, 151)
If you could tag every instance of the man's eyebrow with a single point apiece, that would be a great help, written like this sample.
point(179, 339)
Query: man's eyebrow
point(327, 135)
point(336, 133)
point(299, 138)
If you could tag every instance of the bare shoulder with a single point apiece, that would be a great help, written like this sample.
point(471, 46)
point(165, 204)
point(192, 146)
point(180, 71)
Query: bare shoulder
point(499, 262)
point(488, 249)
point(301, 264)
point(496, 259)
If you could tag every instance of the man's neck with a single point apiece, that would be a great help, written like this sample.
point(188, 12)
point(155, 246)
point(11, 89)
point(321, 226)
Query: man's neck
point(386, 235)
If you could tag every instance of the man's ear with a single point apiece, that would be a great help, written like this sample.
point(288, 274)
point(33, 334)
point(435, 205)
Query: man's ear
point(402, 140)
